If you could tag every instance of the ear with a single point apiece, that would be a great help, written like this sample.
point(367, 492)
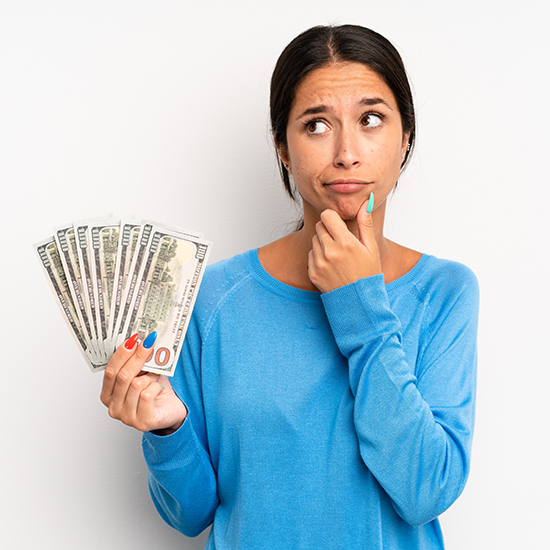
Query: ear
point(283, 154)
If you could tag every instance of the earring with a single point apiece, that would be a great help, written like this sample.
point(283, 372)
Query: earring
point(286, 166)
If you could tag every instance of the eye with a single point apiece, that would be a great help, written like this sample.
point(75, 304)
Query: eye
point(371, 120)
point(316, 127)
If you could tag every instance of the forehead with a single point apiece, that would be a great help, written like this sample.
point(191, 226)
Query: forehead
point(342, 83)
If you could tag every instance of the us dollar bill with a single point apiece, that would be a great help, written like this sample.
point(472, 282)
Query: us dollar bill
point(128, 237)
point(90, 300)
point(66, 244)
point(52, 266)
point(167, 279)
point(103, 246)
point(121, 325)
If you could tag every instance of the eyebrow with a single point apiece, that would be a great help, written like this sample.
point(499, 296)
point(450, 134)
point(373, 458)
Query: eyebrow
point(323, 108)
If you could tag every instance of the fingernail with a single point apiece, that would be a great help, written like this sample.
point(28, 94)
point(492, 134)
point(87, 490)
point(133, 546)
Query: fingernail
point(370, 204)
point(150, 340)
point(131, 342)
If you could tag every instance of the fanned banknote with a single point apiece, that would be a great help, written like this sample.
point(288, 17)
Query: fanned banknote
point(103, 244)
point(112, 279)
point(53, 268)
point(66, 244)
point(128, 238)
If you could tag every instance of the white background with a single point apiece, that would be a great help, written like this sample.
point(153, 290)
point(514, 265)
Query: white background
point(160, 109)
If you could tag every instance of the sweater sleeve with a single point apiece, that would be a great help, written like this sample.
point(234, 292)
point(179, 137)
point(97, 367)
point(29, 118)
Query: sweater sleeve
point(182, 480)
point(414, 422)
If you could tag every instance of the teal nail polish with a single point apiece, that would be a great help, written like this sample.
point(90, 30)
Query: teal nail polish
point(150, 340)
point(370, 204)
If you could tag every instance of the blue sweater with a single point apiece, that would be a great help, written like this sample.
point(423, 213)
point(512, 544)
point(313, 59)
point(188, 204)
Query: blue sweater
point(337, 420)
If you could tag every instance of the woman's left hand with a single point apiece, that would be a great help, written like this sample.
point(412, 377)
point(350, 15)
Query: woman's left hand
point(338, 257)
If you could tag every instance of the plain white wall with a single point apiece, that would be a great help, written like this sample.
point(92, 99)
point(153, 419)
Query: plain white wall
point(159, 109)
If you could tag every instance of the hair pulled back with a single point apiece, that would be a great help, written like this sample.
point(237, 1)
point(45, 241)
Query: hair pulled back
point(321, 46)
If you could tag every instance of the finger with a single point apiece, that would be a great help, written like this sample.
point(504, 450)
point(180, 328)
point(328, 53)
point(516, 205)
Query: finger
point(117, 361)
point(323, 235)
point(135, 392)
point(365, 223)
point(128, 372)
point(317, 251)
point(145, 413)
point(334, 224)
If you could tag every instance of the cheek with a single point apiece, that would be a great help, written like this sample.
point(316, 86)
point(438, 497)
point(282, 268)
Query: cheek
point(305, 162)
point(390, 158)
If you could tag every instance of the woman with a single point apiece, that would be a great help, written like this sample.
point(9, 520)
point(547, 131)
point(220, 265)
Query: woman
point(329, 377)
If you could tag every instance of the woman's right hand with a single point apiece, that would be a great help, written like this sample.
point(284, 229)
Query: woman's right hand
point(143, 400)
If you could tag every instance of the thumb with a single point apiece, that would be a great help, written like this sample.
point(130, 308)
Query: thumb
point(364, 222)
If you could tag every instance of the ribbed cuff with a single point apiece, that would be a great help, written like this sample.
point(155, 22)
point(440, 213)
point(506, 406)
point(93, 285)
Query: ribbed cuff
point(170, 451)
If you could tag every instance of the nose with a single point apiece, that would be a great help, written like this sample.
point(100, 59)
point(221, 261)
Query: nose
point(347, 151)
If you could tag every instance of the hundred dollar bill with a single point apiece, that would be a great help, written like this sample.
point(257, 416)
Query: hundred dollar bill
point(103, 245)
point(165, 280)
point(52, 266)
point(83, 240)
point(66, 244)
point(128, 238)
point(138, 258)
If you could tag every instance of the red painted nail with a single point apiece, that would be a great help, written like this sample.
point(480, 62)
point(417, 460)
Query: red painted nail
point(131, 342)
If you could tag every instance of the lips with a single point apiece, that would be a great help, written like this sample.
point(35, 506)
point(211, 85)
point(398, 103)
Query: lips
point(347, 185)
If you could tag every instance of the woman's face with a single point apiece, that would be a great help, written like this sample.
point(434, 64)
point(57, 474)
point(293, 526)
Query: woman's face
point(344, 139)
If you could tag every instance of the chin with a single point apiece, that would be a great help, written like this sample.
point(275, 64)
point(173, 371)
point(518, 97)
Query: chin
point(348, 211)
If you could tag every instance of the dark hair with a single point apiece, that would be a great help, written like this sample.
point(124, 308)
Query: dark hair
point(321, 46)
